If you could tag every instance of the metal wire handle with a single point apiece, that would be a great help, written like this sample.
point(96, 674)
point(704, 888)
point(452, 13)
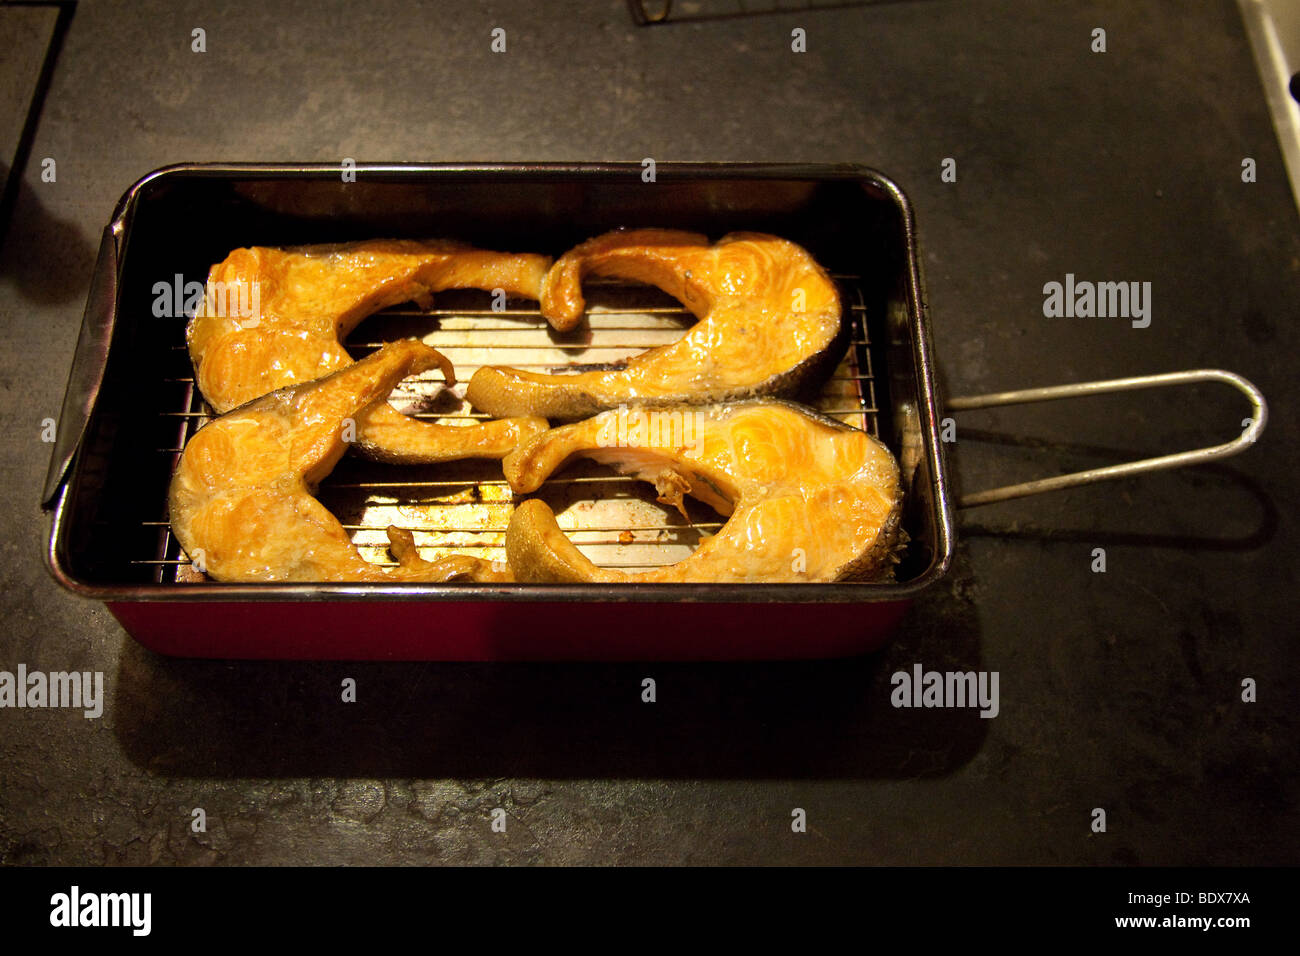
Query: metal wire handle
point(1259, 416)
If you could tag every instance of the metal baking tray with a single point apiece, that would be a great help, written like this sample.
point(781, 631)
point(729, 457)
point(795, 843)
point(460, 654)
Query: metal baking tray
point(132, 404)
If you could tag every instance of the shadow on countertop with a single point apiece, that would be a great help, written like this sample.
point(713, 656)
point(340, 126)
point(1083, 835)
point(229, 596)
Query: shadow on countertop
point(39, 251)
point(1219, 490)
point(805, 719)
point(823, 719)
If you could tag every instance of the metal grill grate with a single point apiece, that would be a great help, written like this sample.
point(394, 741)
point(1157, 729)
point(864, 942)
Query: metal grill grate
point(464, 507)
point(656, 12)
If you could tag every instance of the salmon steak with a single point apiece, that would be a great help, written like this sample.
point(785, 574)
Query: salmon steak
point(271, 318)
point(807, 498)
point(242, 499)
point(770, 324)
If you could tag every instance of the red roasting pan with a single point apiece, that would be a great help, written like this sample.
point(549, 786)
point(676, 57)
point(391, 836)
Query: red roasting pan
point(131, 405)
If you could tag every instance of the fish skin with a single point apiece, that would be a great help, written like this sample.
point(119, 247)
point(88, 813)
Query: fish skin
point(744, 280)
point(242, 494)
point(310, 297)
point(785, 476)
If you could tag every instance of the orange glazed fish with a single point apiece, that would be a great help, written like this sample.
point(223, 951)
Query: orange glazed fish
point(241, 501)
point(275, 317)
point(769, 324)
point(809, 499)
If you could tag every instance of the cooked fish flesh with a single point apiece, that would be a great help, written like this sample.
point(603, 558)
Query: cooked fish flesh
point(809, 499)
point(276, 317)
point(241, 501)
point(769, 324)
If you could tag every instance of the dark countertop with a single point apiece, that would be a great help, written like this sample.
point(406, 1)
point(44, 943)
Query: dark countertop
point(1118, 690)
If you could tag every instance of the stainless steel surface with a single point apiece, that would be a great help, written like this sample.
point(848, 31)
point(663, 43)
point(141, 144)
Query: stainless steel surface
point(1273, 27)
point(1253, 427)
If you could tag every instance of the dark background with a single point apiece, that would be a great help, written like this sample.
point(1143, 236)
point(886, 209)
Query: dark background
point(1118, 690)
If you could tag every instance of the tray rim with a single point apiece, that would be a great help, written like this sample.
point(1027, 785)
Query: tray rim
point(694, 593)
